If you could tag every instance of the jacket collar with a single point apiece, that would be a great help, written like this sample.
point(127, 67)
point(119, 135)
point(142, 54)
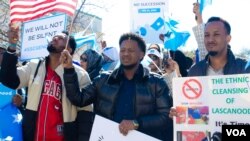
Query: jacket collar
point(230, 56)
point(140, 75)
point(230, 60)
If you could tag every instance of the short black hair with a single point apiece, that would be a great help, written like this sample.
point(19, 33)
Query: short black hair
point(218, 19)
point(135, 37)
point(72, 42)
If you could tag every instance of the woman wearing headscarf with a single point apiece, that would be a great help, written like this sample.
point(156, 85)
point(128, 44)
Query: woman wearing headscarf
point(91, 61)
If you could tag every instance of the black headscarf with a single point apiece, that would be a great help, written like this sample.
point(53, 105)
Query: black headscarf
point(94, 63)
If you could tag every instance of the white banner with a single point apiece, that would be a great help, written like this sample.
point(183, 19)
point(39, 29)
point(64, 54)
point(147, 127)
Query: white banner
point(107, 130)
point(148, 18)
point(207, 103)
point(34, 34)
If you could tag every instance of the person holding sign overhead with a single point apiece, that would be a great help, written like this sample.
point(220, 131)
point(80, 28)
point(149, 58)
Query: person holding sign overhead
point(130, 95)
point(49, 115)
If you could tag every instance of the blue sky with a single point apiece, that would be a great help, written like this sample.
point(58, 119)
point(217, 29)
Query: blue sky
point(116, 21)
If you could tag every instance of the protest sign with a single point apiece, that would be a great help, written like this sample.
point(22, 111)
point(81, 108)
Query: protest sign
point(148, 18)
point(35, 35)
point(206, 103)
point(107, 130)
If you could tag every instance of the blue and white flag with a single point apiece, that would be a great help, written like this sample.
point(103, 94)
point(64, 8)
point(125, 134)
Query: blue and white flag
point(204, 3)
point(6, 95)
point(85, 40)
point(147, 18)
point(158, 24)
point(10, 123)
point(146, 61)
point(174, 38)
point(10, 116)
point(173, 22)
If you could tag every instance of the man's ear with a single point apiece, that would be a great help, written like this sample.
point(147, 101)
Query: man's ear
point(228, 38)
point(142, 54)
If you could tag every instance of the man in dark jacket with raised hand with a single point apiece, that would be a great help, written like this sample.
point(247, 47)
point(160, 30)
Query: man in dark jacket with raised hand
point(130, 95)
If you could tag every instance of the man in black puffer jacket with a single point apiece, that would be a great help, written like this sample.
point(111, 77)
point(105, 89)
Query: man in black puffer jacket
point(130, 95)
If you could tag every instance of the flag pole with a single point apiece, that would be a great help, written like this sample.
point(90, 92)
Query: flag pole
point(89, 25)
point(70, 27)
point(73, 21)
point(157, 66)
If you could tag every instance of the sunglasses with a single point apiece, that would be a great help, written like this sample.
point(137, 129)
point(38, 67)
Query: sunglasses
point(153, 57)
point(83, 59)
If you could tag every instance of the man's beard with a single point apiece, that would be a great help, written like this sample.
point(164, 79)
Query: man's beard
point(52, 49)
point(129, 67)
point(212, 53)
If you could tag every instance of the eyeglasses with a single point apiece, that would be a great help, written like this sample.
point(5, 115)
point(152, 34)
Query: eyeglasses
point(83, 59)
point(153, 57)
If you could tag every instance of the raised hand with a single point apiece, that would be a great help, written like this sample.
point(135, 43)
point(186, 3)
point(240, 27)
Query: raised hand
point(196, 11)
point(66, 59)
point(13, 35)
point(171, 66)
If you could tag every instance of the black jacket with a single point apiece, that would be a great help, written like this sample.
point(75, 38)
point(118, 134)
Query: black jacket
point(233, 66)
point(151, 104)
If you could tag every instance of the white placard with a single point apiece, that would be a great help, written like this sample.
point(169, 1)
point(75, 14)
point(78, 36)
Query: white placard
point(34, 35)
point(207, 103)
point(148, 18)
point(107, 130)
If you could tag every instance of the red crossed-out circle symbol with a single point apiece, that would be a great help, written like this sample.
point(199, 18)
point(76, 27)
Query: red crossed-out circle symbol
point(192, 89)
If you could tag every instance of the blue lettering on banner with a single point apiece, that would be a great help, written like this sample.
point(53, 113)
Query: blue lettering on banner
point(149, 10)
point(33, 48)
